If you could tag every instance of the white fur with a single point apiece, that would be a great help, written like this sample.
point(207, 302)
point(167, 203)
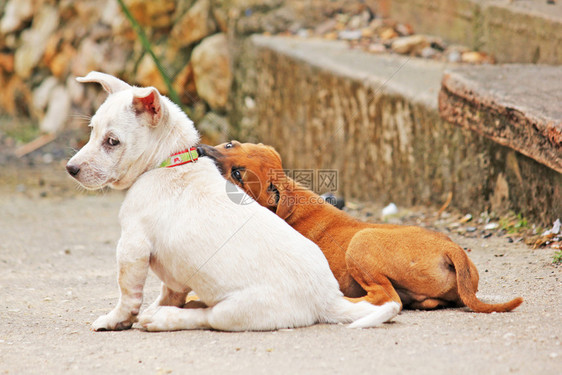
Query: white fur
point(249, 266)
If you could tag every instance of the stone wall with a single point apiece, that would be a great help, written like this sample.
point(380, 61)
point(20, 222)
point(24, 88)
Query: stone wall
point(389, 146)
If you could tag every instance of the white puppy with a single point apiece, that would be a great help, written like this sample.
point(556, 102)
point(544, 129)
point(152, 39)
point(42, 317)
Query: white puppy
point(250, 267)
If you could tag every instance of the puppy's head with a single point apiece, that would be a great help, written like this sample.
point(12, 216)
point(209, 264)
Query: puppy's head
point(125, 133)
point(256, 168)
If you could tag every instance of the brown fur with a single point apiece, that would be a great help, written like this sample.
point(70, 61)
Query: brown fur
point(415, 267)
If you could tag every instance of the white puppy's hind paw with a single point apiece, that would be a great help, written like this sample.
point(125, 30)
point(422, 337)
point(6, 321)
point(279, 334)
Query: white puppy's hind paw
point(382, 314)
point(163, 318)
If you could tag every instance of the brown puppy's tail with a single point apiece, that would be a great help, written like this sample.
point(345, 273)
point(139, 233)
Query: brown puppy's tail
point(466, 288)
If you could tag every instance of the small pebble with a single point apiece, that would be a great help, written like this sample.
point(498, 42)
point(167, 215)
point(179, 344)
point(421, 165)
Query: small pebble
point(428, 52)
point(454, 56)
point(48, 158)
point(303, 33)
point(325, 27)
point(491, 226)
point(474, 57)
point(350, 34)
point(404, 30)
point(355, 22)
point(376, 48)
point(367, 32)
point(391, 209)
point(437, 45)
point(466, 218)
point(388, 34)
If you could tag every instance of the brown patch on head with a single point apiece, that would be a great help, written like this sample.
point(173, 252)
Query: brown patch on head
point(256, 168)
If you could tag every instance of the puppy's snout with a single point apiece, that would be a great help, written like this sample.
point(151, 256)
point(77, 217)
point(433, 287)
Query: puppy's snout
point(73, 170)
point(201, 151)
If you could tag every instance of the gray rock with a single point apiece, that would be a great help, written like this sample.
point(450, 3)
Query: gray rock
point(57, 111)
point(409, 44)
point(109, 56)
point(40, 96)
point(194, 25)
point(350, 34)
point(212, 68)
point(15, 13)
point(428, 52)
point(75, 90)
point(454, 56)
point(35, 40)
point(213, 128)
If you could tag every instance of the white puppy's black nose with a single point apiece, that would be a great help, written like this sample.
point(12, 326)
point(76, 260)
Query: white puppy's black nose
point(73, 170)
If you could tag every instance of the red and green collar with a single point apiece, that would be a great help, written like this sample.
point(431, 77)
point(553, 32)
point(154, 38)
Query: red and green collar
point(180, 158)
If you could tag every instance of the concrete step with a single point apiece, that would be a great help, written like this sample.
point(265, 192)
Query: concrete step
point(375, 120)
point(518, 106)
point(524, 31)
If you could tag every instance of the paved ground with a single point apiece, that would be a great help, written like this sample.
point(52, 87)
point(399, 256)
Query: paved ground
point(57, 274)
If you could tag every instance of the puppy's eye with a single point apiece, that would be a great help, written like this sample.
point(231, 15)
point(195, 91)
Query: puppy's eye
point(236, 175)
point(228, 145)
point(112, 141)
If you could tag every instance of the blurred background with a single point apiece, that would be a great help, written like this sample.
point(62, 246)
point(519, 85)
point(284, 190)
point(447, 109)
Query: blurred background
point(189, 50)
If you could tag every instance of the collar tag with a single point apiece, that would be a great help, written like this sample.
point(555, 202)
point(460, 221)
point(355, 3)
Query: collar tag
point(180, 158)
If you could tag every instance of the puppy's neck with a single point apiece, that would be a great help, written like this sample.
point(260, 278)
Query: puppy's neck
point(175, 133)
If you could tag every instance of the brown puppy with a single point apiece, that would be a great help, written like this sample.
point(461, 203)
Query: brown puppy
point(378, 263)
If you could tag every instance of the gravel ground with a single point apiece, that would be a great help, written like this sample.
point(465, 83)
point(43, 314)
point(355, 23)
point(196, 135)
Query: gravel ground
point(57, 274)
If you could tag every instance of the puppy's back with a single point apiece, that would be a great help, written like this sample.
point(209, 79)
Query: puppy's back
point(229, 246)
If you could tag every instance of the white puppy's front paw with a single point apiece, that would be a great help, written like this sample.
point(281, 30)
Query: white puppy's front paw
point(112, 322)
point(163, 318)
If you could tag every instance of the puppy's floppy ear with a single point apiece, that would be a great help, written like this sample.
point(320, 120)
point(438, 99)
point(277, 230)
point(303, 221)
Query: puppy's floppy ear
point(148, 103)
point(109, 83)
point(281, 198)
point(280, 190)
point(286, 204)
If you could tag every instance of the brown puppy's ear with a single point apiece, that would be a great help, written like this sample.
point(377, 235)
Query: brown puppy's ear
point(285, 200)
point(285, 207)
point(280, 193)
point(272, 197)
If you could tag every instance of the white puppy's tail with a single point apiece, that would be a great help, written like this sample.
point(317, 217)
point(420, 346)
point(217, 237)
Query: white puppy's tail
point(363, 314)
